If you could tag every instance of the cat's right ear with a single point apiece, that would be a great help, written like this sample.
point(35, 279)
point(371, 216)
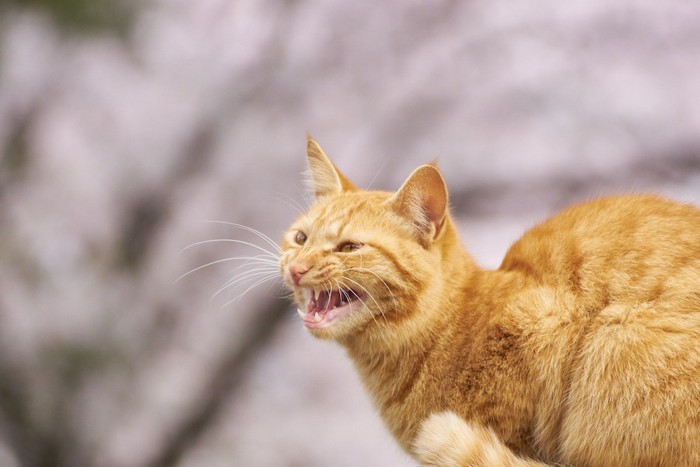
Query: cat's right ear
point(326, 179)
point(423, 201)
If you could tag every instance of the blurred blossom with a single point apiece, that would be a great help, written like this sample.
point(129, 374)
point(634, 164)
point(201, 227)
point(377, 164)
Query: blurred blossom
point(126, 126)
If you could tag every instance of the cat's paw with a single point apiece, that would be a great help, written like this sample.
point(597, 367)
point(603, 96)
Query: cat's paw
point(447, 440)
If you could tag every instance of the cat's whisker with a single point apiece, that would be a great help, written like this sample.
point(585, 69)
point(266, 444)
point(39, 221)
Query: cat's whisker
point(248, 275)
point(248, 259)
point(342, 290)
point(241, 295)
point(258, 268)
point(267, 289)
point(328, 287)
point(285, 293)
point(364, 289)
point(254, 260)
point(242, 275)
point(261, 235)
point(342, 285)
point(232, 240)
point(393, 298)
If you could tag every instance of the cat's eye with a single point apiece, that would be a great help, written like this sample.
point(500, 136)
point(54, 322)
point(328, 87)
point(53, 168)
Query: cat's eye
point(349, 247)
point(300, 238)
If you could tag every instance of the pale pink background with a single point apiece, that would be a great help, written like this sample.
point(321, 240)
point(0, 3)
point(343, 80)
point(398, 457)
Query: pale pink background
point(201, 112)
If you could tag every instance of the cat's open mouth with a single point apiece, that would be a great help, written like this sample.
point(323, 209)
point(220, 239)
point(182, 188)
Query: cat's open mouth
point(323, 307)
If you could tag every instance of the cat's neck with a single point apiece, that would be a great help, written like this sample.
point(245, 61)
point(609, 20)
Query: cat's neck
point(389, 356)
point(453, 271)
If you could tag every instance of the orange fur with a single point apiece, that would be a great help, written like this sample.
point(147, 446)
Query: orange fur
point(582, 348)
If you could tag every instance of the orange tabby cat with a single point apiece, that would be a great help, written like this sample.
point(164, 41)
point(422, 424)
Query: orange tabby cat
point(582, 348)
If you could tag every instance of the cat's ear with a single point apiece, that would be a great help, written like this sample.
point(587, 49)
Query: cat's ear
point(326, 179)
point(423, 200)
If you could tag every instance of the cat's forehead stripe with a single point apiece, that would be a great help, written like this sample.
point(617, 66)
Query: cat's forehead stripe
point(336, 215)
point(347, 217)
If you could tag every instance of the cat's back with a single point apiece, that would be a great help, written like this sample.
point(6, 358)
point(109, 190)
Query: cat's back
point(614, 322)
point(630, 248)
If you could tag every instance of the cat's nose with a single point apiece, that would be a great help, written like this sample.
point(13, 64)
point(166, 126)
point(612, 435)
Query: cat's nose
point(296, 270)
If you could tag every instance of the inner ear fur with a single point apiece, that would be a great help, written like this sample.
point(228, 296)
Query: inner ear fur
point(325, 178)
point(423, 200)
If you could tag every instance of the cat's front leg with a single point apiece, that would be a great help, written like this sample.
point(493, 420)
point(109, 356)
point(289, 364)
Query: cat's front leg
point(447, 440)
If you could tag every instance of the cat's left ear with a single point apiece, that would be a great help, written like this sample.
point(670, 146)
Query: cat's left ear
point(326, 179)
point(423, 201)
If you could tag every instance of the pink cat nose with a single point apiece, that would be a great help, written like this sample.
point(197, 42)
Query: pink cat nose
point(296, 270)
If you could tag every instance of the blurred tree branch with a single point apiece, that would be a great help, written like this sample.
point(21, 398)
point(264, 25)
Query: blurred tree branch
point(52, 438)
point(82, 16)
point(148, 211)
point(225, 378)
point(676, 165)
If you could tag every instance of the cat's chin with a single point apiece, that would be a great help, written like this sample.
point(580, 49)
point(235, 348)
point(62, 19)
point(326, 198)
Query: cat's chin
point(324, 309)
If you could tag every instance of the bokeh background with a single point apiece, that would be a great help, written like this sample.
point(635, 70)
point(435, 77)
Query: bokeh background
point(127, 127)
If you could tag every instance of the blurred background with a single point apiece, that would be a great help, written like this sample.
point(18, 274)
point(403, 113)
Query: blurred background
point(126, 128)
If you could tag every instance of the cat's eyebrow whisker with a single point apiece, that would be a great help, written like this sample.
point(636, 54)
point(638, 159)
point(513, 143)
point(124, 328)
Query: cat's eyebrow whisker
point(232, 240)
point(261, 235)
point(305, 195)
point(248, 259)
point(386, 159)
point(291, 202)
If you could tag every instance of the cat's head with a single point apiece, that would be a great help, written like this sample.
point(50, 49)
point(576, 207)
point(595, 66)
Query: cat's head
point(362, 258)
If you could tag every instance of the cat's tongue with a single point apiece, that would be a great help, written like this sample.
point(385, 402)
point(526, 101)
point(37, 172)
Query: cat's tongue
point(325, 301)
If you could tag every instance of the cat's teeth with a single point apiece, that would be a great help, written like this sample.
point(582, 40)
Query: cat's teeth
point(301, 313)
point(317, 318)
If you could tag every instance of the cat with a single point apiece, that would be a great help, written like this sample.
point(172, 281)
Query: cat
point(582, 348)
